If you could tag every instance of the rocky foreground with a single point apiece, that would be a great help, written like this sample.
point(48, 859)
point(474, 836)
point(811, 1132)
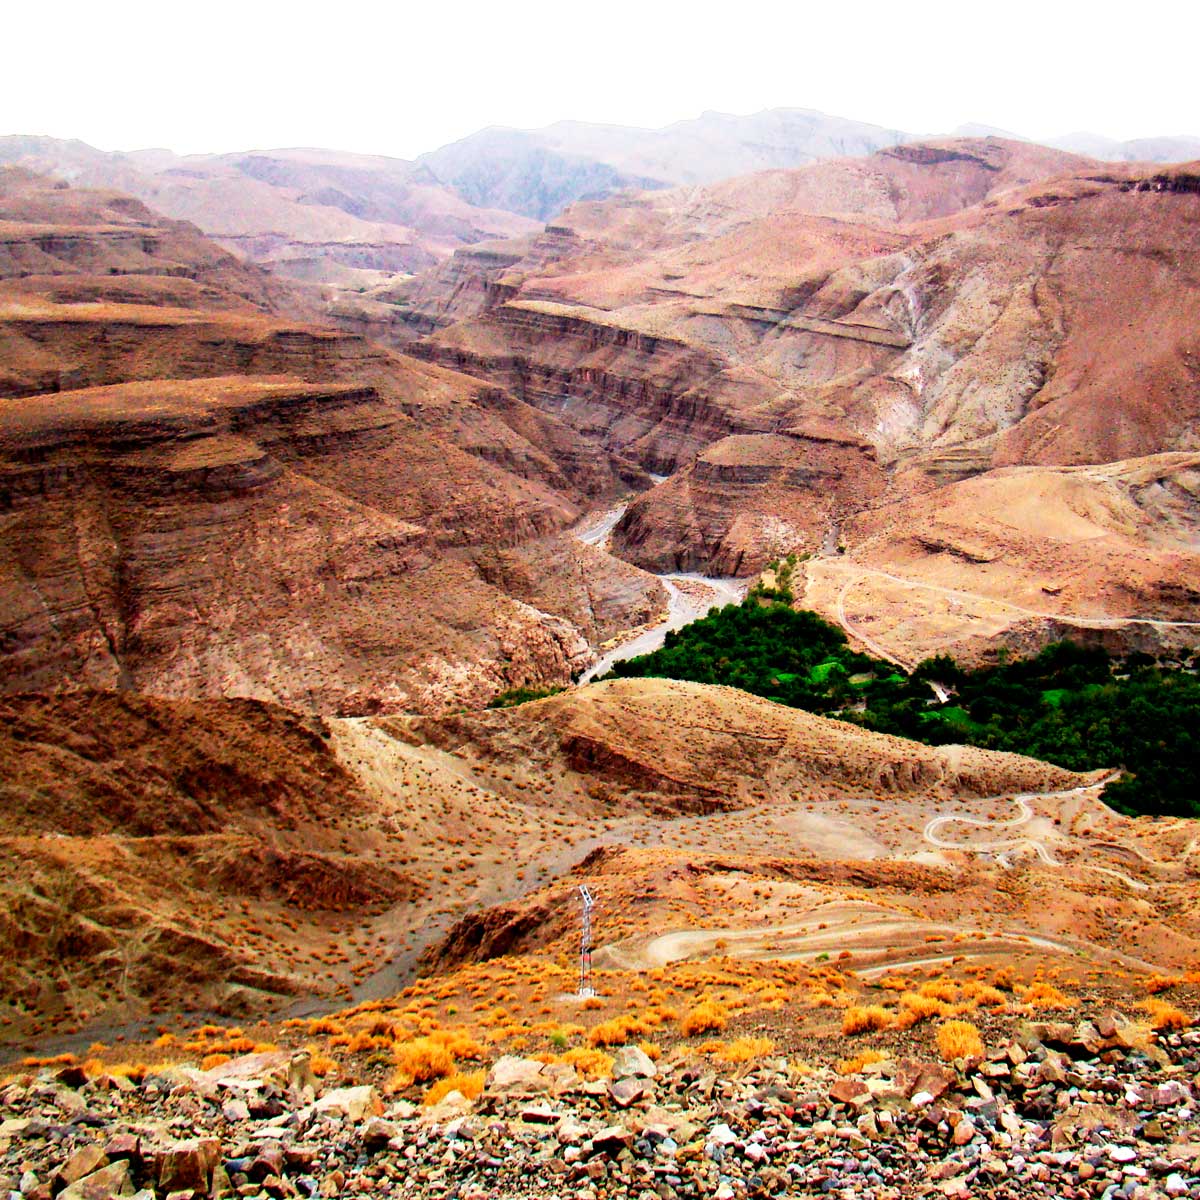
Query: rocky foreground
point(1098, 1109)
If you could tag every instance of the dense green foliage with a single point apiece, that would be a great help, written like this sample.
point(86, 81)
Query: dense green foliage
point(1069, 705)
point(521, 695)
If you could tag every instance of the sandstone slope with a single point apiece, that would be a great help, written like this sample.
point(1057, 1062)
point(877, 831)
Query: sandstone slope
point(204, 494)
point(797, 347)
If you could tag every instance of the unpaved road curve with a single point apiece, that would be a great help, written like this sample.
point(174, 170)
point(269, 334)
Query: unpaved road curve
point(1002, 849)
point(1081, 619)
point(880, 939)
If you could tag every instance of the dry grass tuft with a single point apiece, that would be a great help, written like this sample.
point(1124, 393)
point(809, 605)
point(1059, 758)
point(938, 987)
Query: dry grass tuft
point(469, 1085)
point(1166, 1016)
point(1046, 995)
point(708, 1016)
point(744, 1049)
point(420, 1061)
point(591, 1064)
point(868, 1019)
point(958, 1039)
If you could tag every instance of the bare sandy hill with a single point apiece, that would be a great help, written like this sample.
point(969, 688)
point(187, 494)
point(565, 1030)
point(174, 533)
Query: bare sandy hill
point(689, 747)
point(1108, 553)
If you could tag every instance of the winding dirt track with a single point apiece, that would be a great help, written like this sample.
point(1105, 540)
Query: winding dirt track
point(880, 939)
point(1003, 849)
point(1084, 620)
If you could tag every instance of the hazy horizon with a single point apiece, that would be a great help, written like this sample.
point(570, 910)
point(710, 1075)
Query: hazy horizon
point(401, 83)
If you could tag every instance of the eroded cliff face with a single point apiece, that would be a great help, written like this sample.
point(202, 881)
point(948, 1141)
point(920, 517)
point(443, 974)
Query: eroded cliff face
point(936, 306)
point(185, 539)
point(203, 496)
point(747, 499)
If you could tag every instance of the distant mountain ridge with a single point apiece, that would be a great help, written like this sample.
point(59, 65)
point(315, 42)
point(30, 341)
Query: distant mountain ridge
point(354, 220)
point(575, 160)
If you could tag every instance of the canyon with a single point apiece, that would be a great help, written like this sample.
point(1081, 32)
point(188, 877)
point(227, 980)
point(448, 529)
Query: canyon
point(319, 535)
point(812, 355)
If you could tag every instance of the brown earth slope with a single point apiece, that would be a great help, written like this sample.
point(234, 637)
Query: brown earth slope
point(188, 856)
point(228, 854)
point(203, 495)
point(797, 347)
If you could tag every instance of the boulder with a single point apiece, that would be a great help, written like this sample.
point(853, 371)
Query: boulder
point(112, 1180)
point(354, 1103)
point(515, 1076)
point(633, 1062)
point(83, 1162)
point(625, 1092)
point(188, 1165)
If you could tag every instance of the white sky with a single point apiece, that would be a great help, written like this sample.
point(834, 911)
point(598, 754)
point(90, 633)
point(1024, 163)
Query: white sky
point(402, 77)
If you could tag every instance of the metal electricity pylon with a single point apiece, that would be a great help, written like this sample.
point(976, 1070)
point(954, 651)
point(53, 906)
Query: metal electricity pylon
point(585, 943)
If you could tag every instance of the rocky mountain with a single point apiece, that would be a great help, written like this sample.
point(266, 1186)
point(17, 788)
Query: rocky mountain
point(539, 172)
point(205, 494)
point(319, 216)
point(1147, 149)
point(235, 838)
point(794, 347)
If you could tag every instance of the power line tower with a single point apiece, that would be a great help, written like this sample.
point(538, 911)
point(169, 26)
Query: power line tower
point(585, 943)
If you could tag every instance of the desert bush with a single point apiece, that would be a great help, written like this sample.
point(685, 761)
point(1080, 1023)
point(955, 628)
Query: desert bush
point(1046, 995)
point(940, 989)
point(708, 1016)
point(1164, 1015)
point(616, 1032)
point(469, 1085)
point(915, 1008)
point(744, 1049)
point(590, 1063)
point(1162, 983)
point(420, 1061)
point(958, 1039)
point(865, 1019)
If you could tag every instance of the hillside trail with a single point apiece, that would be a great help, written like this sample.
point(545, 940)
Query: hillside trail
point(895, 939)
point(689, 596)
point(857, 572)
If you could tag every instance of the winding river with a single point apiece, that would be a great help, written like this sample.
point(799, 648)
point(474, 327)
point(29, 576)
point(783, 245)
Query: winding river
point(689, 596)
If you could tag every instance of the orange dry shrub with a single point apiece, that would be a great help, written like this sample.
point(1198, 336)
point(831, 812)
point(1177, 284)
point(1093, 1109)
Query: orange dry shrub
point(865, 1019)
point(1003, 978)
point(420, 1061)
point(590, 1063)
point(320, 1064)
point(744, 1049)
point(1162, 983)
point(707, 1017)
point(958, 1039)
point(616, 1032)
point(458, 1042)
point(652, 1050)
point(940, 989)
point(985, 995)
point(213, 1060)
point(915, 1008)
point(469, 1085)
point(1164, 1015)
point(322, 1025)
point(1046, 995)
